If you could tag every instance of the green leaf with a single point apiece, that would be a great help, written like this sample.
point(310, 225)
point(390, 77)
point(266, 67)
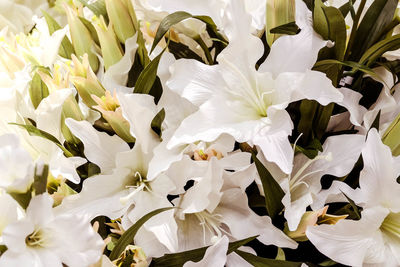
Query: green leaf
point(195, 255)
point(23, 199)
point(157, 122)
point(3, 249)
point(378, 16)
point(177, 17)
point(290, 28)
point(32, 130)
point(378, 49)
point(167, 23)
point(257, 261)
point(40, 179)
point(311, 150)
point(272, 191)
point(141, 50)
point(180, 50)
point(148, 76)
point(98, 8)
point(66, 48)
point(320, 65)
point(353, 205)
point(91, 29)
point(330, 23)
point(348, 7)
point(129, 235)
point(38, 89)
point(308, 108)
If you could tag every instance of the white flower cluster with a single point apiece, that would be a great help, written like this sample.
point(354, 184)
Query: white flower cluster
point(176, 133)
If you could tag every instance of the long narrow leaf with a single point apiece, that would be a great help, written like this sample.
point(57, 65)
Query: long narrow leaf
point(129, 235)
point(264, 262)
point(195, 255)
point(272, 191)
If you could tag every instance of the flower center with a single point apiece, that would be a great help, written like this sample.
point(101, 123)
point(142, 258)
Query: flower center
point(211, 223)
point(200, 154)
point(137, 184)
point(301, 174)
point(391, 225)
point(249, 91)
point(37, 239)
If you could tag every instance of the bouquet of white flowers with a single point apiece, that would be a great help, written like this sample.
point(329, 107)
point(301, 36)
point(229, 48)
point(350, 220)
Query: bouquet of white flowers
point(199, 133)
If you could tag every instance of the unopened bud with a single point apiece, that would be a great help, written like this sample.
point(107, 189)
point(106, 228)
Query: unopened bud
point(121, 19)
point(81, 38)
point(110, 47)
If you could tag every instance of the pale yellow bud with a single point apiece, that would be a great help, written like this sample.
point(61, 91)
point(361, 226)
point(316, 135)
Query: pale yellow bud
point(311, 218)
point(110, 47)
point(120, 18)
point(81, 38)
point(109, 107)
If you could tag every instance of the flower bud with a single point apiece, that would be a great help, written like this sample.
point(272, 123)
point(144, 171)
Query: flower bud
point(85, 81)
point(279, 12)
point(121, 19)
point(110, 47)
point(81, 38)
point(311, 218)
point(109, 107)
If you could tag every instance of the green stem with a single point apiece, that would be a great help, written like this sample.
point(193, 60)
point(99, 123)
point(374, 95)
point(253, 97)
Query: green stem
point(203, 46)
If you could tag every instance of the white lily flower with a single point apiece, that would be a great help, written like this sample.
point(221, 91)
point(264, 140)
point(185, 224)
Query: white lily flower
point(236, 99)
point(374, 239)
point(303, 185)
point(227, 217)
point(43, 239)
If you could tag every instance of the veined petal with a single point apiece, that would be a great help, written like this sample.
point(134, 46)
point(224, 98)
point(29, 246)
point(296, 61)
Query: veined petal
point(194, 80)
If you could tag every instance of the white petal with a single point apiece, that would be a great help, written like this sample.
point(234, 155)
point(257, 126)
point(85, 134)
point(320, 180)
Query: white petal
point(351, 101)
point(40, 210)
point(117, 74)
point(378, 178)
point(236, 213)
point(48, 113)
point(215, 255)
point(205, 194)
point(100, 195)
point(296, 53)
point(66, 167)
point(194, 80)
point(351, 242)
point(100, 148)
point(313, 85)
point(139, 110)
point(213, 119)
